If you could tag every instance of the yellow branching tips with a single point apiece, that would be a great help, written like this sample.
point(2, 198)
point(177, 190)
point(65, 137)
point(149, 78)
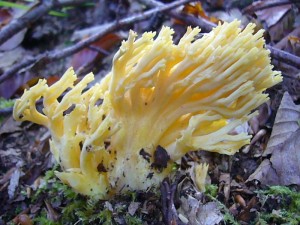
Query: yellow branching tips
point(159, 101)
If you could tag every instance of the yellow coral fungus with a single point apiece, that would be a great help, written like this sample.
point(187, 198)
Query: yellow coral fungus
point(200, 175)
point(160, 101)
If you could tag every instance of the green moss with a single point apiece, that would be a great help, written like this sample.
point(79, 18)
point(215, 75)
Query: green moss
point(281, 205)
point(211, 190)
point(74, 208)
point(42, 219)
point(4, 103)
point(133, 220)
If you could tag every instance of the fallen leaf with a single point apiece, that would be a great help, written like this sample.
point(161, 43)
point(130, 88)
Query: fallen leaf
point(291, 84)
point(97, 49)
point(9, 87)
point(216, 3)
point(133, 207)
point(52, 215)
point(294, 43)
point(277, 20)
point(8, 58)
point(196, 10)
point(5, 17)
point(22, 219)
point(273, 15)
point(283, 44)
point(286, 161)
point(198, 213)
point(7, 175)
point(225, 181)
point(14, 183)
point(14, 41)
point(231, 15)
point(9, 126)
point(283, 168)
point(286, 123)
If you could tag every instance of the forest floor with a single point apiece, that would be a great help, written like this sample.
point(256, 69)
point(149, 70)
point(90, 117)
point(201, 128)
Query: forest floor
point(258, 185)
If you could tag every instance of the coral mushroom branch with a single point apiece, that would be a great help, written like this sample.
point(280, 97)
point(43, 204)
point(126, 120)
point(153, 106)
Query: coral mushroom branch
point(160, 101)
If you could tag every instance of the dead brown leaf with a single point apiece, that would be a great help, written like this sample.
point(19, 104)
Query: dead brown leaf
point(276, 19)
point(291, 84)
point(198, 213)
point(133, 207)
point(22, 219)
point(271, 16)
point(283, 44)
point(14, 183)
point(5, 17)
point(283, 168)
point(51, 213)
point(225, 184)
point(9, 126)
point(286, 123)
point(97, 50)
point(287, 161)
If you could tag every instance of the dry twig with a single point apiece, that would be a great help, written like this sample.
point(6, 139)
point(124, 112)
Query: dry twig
point(281, 55)
point(266, 4)
point(284, 56)
point(31, 16)
point(107, 28)
point(18, 24)
point(205, 25)
point(6, 111)
point(169, 211)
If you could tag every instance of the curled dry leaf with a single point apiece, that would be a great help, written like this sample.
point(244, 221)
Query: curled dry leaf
point(291, 83)
point(286, 123)
point(197, 10)
point(6, 16)
point(230, 15)
point(283, 167)
point(133, 207)
point(52, 215)
point(22, 219)
point(269, 17)
point(199, 213)
point(96, 50)
point(291, 43)
point(276, 19)
point(9, 126)
point(14, 183)
point(225, 184)
point(14, 41)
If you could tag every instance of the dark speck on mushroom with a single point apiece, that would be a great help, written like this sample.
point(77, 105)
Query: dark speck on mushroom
point(145, 155)
point(161, 158)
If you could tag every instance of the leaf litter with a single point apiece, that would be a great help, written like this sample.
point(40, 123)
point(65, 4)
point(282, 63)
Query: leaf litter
point(283, 168)
point(236, 187)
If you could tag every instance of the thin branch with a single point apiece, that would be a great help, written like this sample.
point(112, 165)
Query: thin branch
point(265, 5)
point(205, 25)
point(107, 28)
point(284, 56)
point(33, 15)
point(20, 23)
point(65, 3)
point(281, 55)
point(168, 191)
point(6, 111)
